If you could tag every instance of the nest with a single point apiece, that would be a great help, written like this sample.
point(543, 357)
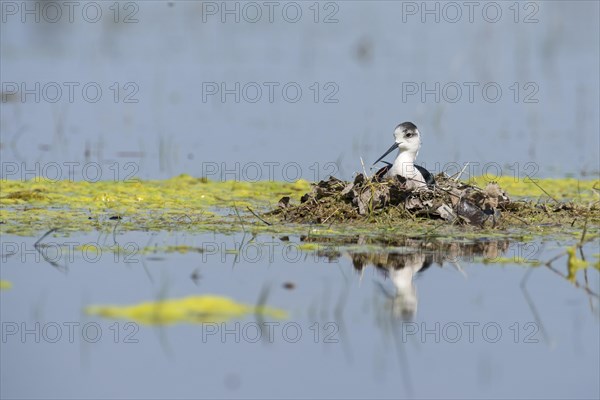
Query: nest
point(334, 200)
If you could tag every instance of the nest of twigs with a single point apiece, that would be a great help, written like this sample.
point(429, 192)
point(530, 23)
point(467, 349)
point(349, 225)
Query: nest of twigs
point(334, 200)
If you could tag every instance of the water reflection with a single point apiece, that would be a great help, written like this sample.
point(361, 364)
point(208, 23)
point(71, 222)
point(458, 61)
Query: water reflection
point(379, 335)
point(401, 269)
point(403, 260)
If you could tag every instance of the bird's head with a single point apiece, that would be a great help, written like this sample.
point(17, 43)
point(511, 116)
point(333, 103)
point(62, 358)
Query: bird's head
point(407, 139)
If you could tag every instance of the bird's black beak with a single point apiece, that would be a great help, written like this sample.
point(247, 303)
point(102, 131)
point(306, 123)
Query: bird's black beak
point(394, 147)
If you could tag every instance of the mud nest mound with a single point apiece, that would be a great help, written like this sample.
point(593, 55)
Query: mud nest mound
point(334, 200)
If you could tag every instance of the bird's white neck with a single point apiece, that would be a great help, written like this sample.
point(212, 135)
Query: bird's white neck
point(407, 157)
point(404, 165)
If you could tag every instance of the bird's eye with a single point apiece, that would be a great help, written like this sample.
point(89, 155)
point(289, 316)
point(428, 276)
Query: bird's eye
point(409, 134)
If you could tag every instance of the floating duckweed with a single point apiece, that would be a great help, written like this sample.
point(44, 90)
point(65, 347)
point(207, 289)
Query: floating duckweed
point(192, 309)
point(559, 189)
point(187, 203)
point(89, 248)
point(5, 285)
point(574, 264)
point(181, 202)
point(309, 246)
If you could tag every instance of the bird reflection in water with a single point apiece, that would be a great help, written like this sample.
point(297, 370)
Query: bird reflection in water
point(414, 258)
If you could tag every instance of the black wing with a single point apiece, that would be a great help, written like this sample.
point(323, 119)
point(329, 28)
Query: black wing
point(428, 176)
point(429, 179)
point(380, 174)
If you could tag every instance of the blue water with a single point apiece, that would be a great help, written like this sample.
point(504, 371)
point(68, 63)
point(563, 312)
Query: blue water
point(378, 65)
point(478, 330)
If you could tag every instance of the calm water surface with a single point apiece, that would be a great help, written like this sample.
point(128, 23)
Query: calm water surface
point(463, 327)
point(374, 64)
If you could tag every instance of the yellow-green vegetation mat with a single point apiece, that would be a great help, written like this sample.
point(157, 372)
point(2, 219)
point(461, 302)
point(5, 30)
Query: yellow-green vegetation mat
point(186, 203)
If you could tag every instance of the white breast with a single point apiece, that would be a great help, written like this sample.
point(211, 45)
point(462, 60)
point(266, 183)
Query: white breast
point(407, 170)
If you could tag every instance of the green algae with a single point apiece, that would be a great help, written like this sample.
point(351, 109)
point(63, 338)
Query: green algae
point(189, 204)
point(179, 203)
point(5, 285)
point(182, 192)
point(191, 309)
point(576, 264)
point(555, 188)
